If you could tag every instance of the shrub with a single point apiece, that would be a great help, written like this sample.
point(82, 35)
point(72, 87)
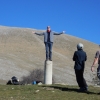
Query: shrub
point(35, 75)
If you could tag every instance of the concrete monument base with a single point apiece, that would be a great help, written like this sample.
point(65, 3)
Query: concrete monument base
point(48, 72)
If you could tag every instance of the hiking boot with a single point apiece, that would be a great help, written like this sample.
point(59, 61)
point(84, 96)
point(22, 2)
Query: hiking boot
point(47, 59)
point(50, 59)
point(83, 89)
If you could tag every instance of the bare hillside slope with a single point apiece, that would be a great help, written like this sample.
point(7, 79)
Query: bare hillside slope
point(22, 51)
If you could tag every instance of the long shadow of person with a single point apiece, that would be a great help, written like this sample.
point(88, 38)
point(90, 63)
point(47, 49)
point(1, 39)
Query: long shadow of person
point(70, 89)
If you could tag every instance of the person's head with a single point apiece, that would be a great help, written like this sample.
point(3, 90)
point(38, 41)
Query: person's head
point(48, 29)
point(80, 46)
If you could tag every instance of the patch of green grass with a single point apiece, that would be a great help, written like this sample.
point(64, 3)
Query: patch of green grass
point(47, 92)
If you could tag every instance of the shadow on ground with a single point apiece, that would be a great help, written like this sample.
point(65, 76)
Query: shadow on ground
point(70, 89)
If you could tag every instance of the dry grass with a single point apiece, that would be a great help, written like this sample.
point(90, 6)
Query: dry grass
point(52, 92)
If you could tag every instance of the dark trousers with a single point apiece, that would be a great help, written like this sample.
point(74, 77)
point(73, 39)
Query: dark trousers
point(48, 48)
point(80, 78)
point(98, 72)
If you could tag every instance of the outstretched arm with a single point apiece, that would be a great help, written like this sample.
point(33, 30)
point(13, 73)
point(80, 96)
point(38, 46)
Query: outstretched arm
point(59, 33)
point(38, 33)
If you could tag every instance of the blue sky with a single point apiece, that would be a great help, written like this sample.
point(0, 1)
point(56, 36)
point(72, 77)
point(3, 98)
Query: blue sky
point(80, 18)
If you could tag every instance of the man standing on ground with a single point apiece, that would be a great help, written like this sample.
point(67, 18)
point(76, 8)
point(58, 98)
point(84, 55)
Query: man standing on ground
point(48, 41)
point(96, 60)
point(80, 57)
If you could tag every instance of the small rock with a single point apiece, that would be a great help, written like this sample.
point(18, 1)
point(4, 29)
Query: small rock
point(37, 90)
point(50, 89)
point(39, 83)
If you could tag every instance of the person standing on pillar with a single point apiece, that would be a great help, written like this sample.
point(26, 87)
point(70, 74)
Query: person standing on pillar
point(80, 57)
point(48, 41)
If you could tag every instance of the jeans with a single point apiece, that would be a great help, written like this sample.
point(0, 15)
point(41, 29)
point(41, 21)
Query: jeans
point(48, 48)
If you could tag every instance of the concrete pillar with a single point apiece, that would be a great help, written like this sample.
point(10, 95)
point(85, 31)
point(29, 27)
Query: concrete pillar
point(48, 72)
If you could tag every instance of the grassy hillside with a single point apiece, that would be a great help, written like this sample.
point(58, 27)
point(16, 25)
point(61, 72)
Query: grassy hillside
point(22, 51)
point(53, 92)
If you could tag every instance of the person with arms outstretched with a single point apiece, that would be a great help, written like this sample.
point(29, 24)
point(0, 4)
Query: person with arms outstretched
point(48, 41)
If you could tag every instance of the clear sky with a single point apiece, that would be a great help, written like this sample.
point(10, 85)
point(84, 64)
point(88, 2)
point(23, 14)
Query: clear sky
point(80, 18)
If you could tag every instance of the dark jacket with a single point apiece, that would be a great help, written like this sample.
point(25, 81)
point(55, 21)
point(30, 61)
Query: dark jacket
point(79, 57)
point(46, 36)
